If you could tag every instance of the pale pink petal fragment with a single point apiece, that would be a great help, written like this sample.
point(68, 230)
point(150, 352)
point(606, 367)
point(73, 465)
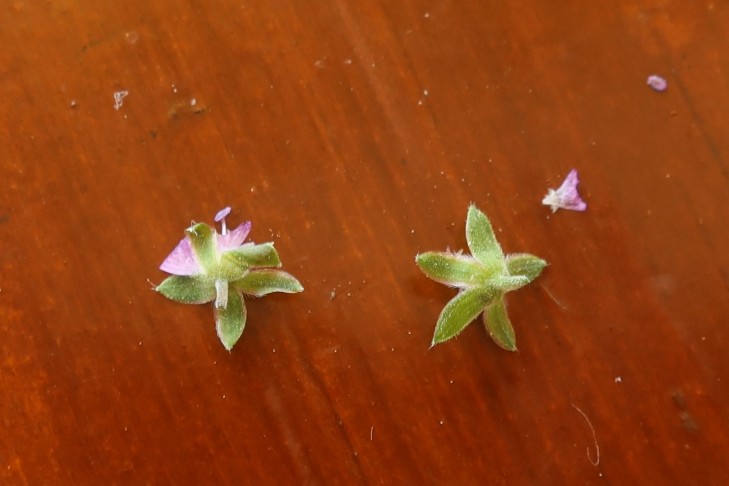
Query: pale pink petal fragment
point(182, 260)
point(234, 238)
point(656, 82)
point(222, 214)
point(566, 197)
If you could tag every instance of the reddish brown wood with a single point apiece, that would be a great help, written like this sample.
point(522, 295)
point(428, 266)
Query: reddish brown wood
point(354, 135)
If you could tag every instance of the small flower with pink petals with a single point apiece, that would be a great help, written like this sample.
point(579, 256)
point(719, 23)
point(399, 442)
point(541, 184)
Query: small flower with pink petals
point(208, 266)
point(182, 260)
point(566, 196)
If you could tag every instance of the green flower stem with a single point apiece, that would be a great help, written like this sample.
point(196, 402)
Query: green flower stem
point(221, 293)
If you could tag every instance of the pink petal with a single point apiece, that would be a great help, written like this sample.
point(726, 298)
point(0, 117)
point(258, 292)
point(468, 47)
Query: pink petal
point(575, 204)
point(234, 238)
point(570, 182)
point(568, 196)
point(657, 83)
point(222, 214)
point(181, 261)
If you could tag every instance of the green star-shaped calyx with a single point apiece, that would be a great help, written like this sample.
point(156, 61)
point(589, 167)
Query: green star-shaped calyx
point(222, 268)
point(483, 278)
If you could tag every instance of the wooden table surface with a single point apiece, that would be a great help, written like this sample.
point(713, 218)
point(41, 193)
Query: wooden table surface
point(354, 135)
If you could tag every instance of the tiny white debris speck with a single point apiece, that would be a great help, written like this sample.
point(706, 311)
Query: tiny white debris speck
point(442, 422)
point(618, 379)
point(425, 92)
point(119, 97)
point(132, 36)
point(193, 102)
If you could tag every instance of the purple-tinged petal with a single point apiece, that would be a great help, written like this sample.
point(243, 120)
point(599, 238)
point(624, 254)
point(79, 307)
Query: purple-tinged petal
point(657, 83)
point(575, 204)
point(234, 238)
point(570, 182)
point(181, 261)
point(222, 214)
point(566, 197)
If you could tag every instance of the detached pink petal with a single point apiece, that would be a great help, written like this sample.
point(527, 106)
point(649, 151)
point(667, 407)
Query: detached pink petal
point(656, 82)
point(566, 196)
point(181, 261)
point(234, 238)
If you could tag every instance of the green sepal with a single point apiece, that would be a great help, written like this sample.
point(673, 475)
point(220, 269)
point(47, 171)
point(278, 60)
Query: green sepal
point(482, 240)
point(507, 283)
point(202, 241)
point(250, 255)
point(524, 264)
point(197, 289)
point(461, 310)
point(230, 321)
point(229, 270)
point(262, 282)
point(452, 269)
point(498, 325)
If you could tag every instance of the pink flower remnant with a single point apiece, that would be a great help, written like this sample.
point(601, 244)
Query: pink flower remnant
point(183, 261)
point(566, 196)
point(657, 83)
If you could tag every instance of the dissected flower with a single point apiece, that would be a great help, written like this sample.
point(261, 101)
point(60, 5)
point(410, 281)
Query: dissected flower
point(208, 266)
point(656, 82)
point(566, 197)
point(483, 278)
